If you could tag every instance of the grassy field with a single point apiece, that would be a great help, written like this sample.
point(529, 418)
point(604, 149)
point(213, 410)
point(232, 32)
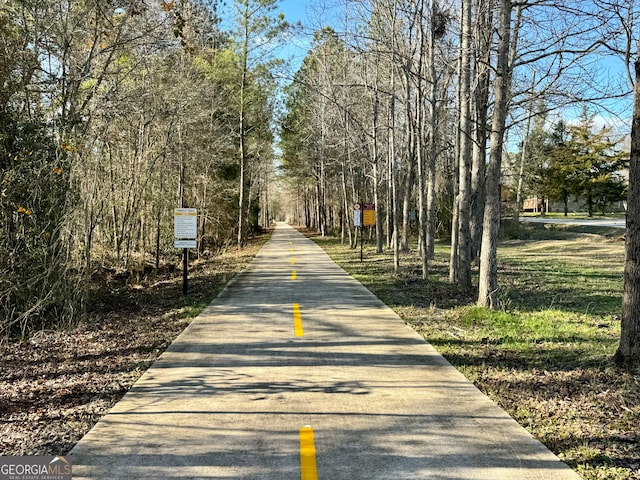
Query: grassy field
point(545, 355)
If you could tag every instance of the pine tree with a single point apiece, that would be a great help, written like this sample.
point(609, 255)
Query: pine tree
point(578, 162)
point(596, 163)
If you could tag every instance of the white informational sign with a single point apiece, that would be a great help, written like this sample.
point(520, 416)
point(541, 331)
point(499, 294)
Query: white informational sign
point(357, 218)
point(185, 244)
point(185, 223)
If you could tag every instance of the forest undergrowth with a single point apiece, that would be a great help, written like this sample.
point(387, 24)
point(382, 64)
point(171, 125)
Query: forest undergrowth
point(56, 385)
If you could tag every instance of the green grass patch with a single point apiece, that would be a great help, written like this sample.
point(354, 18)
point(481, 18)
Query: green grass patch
point(545, 355)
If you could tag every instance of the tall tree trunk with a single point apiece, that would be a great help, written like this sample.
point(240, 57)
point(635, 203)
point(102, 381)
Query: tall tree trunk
point(354, 197)
point(158, 237)
point(523, 160)
point(376, 169)
point(453, 259)
point(484, 38)
point(307, 210)
point(392, 148)
point(321, 184)
point(389, 197)
point(346, 217)
point(488, 281)
point(395, 240)
point(242, 200)
point(412, 142)
point(464, 188)
point(628, 353)
point(406, 207)
point(422, 199)
point(346, 159)
point(432, 144)
point(317, 205)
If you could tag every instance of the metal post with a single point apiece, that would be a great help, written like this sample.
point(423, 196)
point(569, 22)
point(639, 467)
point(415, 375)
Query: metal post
point(361, 228)
point(185, 273)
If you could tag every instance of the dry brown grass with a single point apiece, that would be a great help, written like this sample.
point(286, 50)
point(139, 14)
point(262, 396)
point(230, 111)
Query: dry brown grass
point(57, 385)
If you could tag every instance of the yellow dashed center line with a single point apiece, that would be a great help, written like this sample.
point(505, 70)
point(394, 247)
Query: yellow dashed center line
point(297, 320)
point(293, 261)
point(294, 275)
point(308, 468)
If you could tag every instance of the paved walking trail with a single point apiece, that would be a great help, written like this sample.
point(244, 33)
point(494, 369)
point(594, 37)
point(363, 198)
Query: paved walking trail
point(306, 375)
point(595, 222)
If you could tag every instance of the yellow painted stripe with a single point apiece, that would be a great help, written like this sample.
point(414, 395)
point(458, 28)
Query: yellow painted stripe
point(297, 320)
point(293, 261)
point(294, 275)
point(308, 468)
point(293, 250)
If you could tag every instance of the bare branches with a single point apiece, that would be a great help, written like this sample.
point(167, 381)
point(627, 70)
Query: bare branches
point(113, 106)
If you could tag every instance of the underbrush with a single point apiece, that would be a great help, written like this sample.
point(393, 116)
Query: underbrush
point(56, 384)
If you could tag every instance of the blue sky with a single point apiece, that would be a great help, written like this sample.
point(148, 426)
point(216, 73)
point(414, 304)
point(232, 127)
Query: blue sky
point(311, 14)
point(306, 13)
point(294, 10)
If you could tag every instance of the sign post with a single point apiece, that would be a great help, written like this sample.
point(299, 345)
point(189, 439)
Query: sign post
point(357, 222)
point(364, 216)
point(185, 233)
point(185, 271)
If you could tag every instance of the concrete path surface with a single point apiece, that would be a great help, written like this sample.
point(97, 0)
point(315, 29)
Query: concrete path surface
point(296, 371)
point(595, 222)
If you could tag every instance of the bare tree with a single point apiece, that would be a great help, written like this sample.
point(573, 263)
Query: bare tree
point(488, 283)
point(627, 16)
point(483, 41)
point(629, 350)
point(463, 199)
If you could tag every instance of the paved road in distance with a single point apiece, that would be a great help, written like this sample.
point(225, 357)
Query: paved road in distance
point(576, 221)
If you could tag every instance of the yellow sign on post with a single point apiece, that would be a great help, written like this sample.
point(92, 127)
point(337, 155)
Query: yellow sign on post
point(369, 214)
point(185, 233)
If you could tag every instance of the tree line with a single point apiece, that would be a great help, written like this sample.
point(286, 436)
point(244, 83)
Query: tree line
point(413, 105)
point(116, 111)
point(113, 113)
